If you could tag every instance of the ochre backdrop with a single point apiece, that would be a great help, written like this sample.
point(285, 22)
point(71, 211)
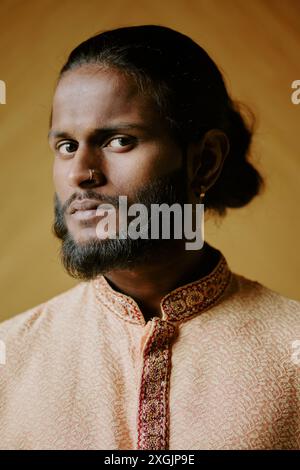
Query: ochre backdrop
point(257, 46)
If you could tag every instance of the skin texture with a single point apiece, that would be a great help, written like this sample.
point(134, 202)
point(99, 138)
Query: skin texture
point(92, 97)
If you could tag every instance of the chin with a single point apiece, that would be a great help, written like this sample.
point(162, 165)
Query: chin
point(83, 234)
point(85, 238)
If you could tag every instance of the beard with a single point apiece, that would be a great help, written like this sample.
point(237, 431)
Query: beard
point(89, 259)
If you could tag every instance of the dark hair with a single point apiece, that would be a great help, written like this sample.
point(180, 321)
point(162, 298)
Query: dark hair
point(190, 93)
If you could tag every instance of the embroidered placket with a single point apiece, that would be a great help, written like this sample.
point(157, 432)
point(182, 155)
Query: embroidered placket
point(153, 412)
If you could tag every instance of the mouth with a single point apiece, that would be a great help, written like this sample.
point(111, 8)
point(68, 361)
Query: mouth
point(88, 209)
point(85, 214)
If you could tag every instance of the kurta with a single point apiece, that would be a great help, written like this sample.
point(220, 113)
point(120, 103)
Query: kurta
point(217, 370)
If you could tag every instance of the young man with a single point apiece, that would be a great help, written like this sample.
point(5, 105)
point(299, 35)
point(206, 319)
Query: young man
point(160, 346)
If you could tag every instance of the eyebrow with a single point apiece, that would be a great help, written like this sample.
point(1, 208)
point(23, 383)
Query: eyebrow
point(55, 134)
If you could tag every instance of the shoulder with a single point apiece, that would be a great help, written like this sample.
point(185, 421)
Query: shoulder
point(258, 297)
point(43, 315)
point(263, 315)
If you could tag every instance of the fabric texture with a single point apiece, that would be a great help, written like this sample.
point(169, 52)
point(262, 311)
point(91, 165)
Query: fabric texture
point(217, 370)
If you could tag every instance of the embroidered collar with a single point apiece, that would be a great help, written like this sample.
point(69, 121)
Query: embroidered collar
point(178, 305)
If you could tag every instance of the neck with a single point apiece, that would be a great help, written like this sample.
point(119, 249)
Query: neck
point(149, 283)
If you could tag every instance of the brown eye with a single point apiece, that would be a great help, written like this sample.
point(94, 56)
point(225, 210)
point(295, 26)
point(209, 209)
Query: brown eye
point(120, 142)
point(67, 148)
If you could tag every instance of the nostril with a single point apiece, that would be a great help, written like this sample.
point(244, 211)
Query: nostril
point(86, 178)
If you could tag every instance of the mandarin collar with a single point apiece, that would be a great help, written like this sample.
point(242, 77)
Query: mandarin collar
point(178, 305)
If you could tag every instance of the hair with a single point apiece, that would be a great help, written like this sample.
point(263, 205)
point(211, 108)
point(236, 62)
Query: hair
point(190, 93)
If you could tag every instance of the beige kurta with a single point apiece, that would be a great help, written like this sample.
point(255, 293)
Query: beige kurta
point(219, 370)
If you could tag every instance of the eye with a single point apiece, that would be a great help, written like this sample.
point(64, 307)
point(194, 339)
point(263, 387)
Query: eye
point(66, 148)
point(121, 143)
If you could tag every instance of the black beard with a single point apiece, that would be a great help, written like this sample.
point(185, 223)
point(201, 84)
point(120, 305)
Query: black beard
point(88, 260)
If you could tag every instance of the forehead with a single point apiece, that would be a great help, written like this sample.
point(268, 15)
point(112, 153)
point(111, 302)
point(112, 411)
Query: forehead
point(91, 96)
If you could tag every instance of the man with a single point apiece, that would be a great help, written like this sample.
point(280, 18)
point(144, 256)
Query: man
point(160, 346)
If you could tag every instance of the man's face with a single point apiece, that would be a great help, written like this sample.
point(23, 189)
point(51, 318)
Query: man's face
point(101, 121)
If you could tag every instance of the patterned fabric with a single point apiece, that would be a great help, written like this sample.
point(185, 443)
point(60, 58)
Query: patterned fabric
point(153, 413)
point(177, 306)
point(217, 370)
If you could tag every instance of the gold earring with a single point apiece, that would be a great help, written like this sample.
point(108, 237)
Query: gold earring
point(202, 196)
point(93, 174)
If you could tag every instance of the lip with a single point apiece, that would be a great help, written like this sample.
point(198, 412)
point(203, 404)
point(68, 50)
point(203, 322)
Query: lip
point(85, 214)
point(88, 209)
point(85, 205)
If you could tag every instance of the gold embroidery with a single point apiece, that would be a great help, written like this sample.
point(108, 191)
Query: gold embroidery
point(153, 413)
point(194, 298)
point(197, 296)
point(178, 305)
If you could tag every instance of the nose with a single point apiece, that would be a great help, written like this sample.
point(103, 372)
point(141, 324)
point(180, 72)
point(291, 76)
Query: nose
point(85, 170)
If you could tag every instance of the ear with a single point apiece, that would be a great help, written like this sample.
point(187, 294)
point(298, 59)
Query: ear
point(205, 160)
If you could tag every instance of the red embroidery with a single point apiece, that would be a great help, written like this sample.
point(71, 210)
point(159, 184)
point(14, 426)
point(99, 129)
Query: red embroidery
point(194, 298)
point(153, 413)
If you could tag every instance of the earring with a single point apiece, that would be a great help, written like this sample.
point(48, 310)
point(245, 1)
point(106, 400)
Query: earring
point(93, 174)
point(202, 196)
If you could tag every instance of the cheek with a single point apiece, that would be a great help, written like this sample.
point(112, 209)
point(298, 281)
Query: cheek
point(59, 179)
point(144, 164)
point(164, 158)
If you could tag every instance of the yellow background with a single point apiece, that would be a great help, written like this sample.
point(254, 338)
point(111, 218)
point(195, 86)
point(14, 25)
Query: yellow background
point(257, 46)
